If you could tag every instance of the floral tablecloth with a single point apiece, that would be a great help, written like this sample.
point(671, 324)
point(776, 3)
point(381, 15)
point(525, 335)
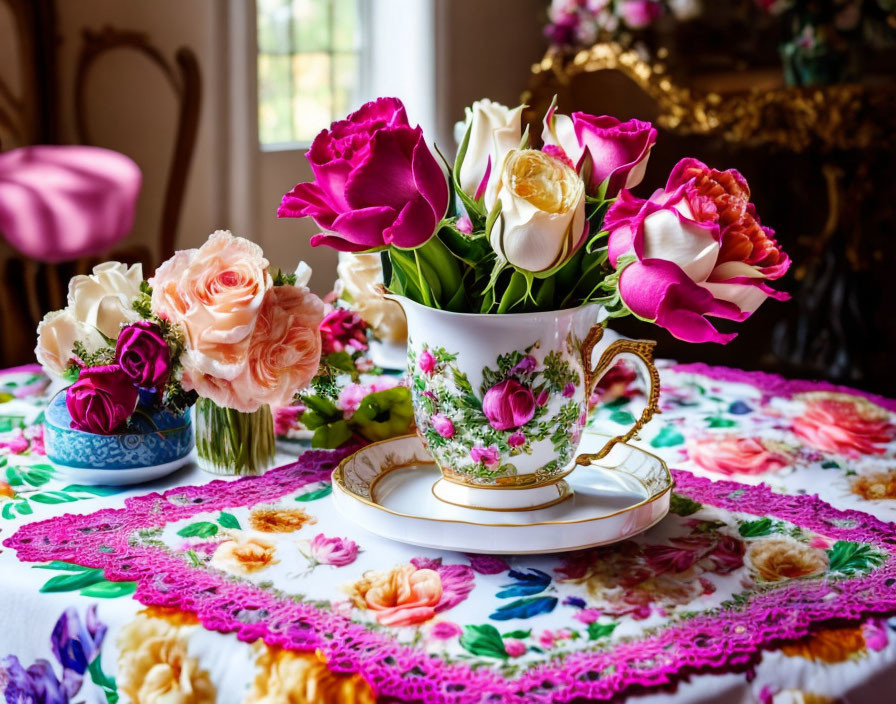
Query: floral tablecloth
point(255, 590)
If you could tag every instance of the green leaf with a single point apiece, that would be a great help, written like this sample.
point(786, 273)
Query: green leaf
point(622, 417)
point(14, 476)
point(7, 510)
point(203, 529)
point(37, 475)
point(228, 520)
point(330, 436)
point(682, 505)
point(753, 529)
point(849, 558)
point(600, 630)
point(102, 680)
point(109, 590)
point(669, 436)
point(72, 582)
point(316, 494)
point(830, 464)
point(617, 402)
point(484, 640)
point(519, 635)
point(95, 490)
point(59, 565)
point(719, 422)
point(24, 508)
point(53, 497)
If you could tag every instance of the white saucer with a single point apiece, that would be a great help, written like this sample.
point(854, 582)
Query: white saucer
point(120, 477)
point(387, 488)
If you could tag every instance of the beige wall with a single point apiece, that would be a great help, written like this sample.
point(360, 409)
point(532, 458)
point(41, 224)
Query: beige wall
point(482, 48)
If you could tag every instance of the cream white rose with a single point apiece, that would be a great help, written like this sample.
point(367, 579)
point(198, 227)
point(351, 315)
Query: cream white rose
point(359, 276)
point(56, 337)
point(104, 299)
point(496, 130)
point(542, 218)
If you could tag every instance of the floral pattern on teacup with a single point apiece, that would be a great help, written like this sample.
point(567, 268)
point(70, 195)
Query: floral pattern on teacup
point(525, 400)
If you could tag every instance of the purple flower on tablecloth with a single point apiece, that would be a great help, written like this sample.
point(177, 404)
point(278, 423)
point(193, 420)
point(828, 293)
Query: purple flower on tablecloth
point(76, 644)
point(457, 580)
point(517, 439)
point(487, 564)
point(333, 551)
point(489, 456)
point(37, 684)
point(587, 616)
point(443, 425)
point(445, 630)
point(574, 601)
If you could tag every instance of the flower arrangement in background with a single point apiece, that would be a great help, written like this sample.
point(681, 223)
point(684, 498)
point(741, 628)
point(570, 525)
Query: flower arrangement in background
point(511, 228)
point(575, 23)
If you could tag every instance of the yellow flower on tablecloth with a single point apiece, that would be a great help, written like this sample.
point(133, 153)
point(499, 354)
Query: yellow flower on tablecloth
point(280, 520)
point(244, 554)
point(830, 646)
point(289, 677)
point(871, 487)
point(404, 596)
point(779, 558)
point(153, 664)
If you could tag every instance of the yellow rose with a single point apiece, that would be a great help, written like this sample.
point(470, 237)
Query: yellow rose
point(542, 219)
point(153, 664)
point(244, 554)
point(777, 559)
point(359, 276)
point(288, 677)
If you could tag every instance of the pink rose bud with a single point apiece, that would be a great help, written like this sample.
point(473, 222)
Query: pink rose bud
point(333, 551)
point(445, 630)
point(101, 400)
point(514, 648)
point(542, 397)
point(569, 390)
point(443, 425)
point(489, 456)
point(508, 405)
point(351, 162)
point(464, 224)
point(143, 355)
point(342, 329)
point(426, 362)
point(518, 439)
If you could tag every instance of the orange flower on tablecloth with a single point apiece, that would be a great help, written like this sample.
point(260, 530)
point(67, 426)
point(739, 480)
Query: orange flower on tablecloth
point(875, 486)
point(290, 677)
point(737, 455)
point(280, 520)
point(844, 424)
point(832, 645)
point(244, 554)
point(780, 558)
point(403, 596)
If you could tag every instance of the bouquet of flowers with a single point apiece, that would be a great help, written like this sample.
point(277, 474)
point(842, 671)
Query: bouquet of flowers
point(213, 326)
point(511, 228)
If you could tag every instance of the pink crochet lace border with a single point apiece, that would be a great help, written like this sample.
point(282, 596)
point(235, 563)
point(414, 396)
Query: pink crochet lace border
point(724, 640)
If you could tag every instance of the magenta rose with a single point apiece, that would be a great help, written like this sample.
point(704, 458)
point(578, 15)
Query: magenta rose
point(638, 14)
point(508, 405)
point(489, 456)
point(692, 250)
point(517, 439)
point(342, 329)
point(602, 148)
point(426, 362)
point(333, 551)
point(376, 183)
point(101, 400)
point(443, 425)
point(143, 355)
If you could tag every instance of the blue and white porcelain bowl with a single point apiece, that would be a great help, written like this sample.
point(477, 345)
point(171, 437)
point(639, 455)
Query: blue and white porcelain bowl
point(163, 442)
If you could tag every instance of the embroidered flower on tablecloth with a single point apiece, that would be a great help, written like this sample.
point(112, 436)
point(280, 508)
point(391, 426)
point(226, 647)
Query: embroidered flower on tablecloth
point(873, 487)
point(843, 424)
point(244, 554)
point(730, 455)
point(279, 520)
point(779, 558)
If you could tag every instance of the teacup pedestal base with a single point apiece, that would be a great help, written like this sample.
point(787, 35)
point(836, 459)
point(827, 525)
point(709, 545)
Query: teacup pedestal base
point(493, 498)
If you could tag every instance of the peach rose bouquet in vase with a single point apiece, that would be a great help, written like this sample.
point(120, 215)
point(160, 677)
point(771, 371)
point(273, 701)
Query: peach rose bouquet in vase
point(251, 340)
point(510, 263)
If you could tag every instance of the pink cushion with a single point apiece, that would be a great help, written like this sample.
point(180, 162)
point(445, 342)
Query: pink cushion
point(65, 202)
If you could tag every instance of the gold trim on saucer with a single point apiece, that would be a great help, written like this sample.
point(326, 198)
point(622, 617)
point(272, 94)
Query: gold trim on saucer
point(564, 492)
point(509, 486)
point(339, 483)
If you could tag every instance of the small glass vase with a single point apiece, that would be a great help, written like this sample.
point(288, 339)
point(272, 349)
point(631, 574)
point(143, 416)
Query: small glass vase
point(231, 442)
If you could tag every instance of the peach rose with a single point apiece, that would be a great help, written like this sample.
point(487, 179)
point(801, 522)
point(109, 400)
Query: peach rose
point(873, 487)
point(735, 455)
point(831, 645)
point(289, 677)
point(777, 559)
point(403, 596)
point(279, 520)
point(214, 294)
point(284, 352)
point(844, 424)
point(244, 554)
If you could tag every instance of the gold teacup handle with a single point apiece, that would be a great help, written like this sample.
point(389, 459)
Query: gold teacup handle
point(643, 350)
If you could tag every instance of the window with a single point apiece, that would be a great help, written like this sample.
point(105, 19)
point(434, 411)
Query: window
point(311, 66)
